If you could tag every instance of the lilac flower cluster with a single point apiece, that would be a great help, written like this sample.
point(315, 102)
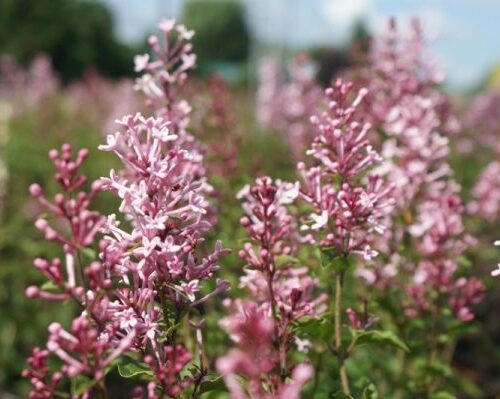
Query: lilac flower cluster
point(350, 202)
point(286, 105)
point(281, 295)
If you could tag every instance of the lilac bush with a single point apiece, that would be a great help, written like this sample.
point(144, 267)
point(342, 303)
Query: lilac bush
point(352, 281)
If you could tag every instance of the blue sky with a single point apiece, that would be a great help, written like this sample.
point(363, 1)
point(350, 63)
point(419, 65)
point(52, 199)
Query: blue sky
point(465, 34)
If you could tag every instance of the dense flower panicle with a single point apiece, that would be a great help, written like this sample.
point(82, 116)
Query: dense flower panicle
point(86, 350)
point(286, 105)
point(44, 383)
point(348, 200)
point(438, 278)
point(74, 226)
point(256, 357)
point(274, 241)
point(110, 99)
point(282, 294)
point(439, 225)
point(165, 204)
point(402, 66)
point(416, 120)
point(486, 193)
point(94, 342)
point(225, 142)
point(27, 89)
point(483, 120)
point(166, 72)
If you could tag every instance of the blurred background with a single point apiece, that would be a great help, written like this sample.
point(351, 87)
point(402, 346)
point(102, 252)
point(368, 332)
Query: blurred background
point(66, 72)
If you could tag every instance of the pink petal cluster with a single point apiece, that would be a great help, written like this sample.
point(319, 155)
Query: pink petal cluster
point(416, 120)
point(27, 89)
point(110, 100)
point(166, 72)
point(281, 295)
point(486, 193)
point(72, 225)
point(95, 341)
point(350, 202)
point(286, 105)
point(163, 198)
point(482, 122)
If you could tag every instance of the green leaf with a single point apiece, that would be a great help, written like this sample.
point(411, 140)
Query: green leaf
point(89, 253)
point(131, 368)
point(370, 392)
point(379, 338)
point(331, 258)
point(50, 286)
point(81, 384)
point(212, 383)
point(341, 395)
point(284, 260)
point(439, 369)
point(442, 395)
point(314, 327)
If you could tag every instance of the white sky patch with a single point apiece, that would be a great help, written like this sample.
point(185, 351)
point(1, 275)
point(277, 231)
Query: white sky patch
point(343, 14)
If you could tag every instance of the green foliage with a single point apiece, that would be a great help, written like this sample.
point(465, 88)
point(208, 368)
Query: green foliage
point(131, 368)
point(331, 259)
point(221, 30)
point(80, 384)
point(211, 383)
point(76, 34)
point(377, 337)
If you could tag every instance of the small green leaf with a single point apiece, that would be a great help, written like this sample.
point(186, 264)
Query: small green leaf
point(89, 253)
point(314, 327)
point(284, 260)
point(341, 395)
point(442, 395)
point(332, 259)
point(212, 383)
point(50, 286)
point(370, 392)
point(81, 384)
point(130, 368)
point(378, 337)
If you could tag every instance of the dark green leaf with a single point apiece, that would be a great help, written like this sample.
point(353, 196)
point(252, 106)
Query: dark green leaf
point(379, 338)
point(212, 383)
point(332, 259)
point(81, 384)
point(341, 395)
point(315, 327)
point(284, 260)
point(130, 368)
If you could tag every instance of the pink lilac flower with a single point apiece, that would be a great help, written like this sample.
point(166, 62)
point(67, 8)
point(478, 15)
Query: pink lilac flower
point(163, 200)
point(350, 202)
point(27, 89)
point(110, 100)
point(165, 72)
point(285, 106)
point(486, 193)
point(94, 341)
point(483, 120)
point(282, 294)
point(416, 121)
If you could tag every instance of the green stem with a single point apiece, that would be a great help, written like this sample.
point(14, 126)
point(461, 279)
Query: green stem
point(339, 285)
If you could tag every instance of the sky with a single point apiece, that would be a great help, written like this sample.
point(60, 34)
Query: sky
point(464, 34)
